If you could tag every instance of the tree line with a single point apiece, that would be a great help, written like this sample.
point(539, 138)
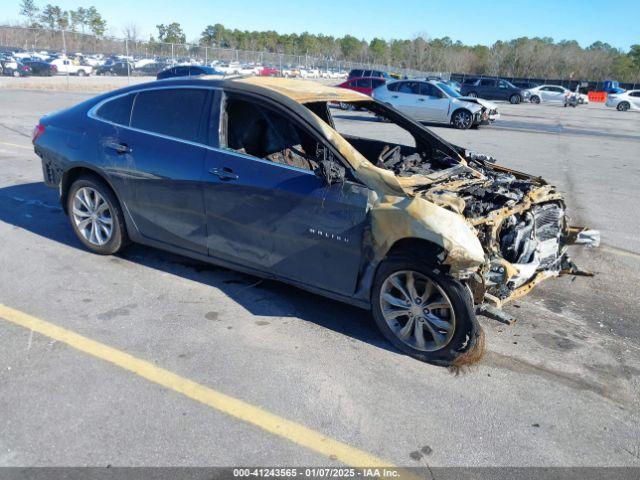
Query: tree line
point(81, 20)
point(521, 57)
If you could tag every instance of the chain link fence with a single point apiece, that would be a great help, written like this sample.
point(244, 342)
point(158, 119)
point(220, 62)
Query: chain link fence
point(71, 43)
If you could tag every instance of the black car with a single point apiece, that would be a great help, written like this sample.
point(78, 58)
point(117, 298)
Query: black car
point(121, 69)
point(360, 72)
point(149, 70)
point(185, 71)
point(20, 69)
point(494, 89)
point(41, 68)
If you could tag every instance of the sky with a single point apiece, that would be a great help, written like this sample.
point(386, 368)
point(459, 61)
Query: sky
point(472, 22)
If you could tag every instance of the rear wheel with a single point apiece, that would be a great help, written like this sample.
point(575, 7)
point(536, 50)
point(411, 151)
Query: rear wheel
point(81, 73)
point(462, 119)
point(96, 216)
point(424, 313)
point(535, 99)
point(515, 98)
point(16, 73)
point(623, 106)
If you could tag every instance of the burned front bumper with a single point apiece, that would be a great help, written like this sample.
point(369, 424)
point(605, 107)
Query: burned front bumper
point(528, 247)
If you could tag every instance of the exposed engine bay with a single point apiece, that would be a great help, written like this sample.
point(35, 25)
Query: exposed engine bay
point(520, 219)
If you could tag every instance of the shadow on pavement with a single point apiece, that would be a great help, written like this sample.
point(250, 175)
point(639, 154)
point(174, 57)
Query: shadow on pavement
point(35, 208)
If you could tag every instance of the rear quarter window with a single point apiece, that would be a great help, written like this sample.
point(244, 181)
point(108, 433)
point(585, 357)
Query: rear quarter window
point(175, 113)
point(117, 110)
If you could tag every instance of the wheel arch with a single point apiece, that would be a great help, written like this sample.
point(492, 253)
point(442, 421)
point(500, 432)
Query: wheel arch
point(76, 172)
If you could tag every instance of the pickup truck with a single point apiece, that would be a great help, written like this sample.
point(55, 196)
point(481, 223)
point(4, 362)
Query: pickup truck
point(67, 67)
point(494, 89)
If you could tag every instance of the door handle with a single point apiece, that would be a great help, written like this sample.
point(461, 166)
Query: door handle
point(119, 148)
point(394, 96)
point(224, 173)
point(421, 99)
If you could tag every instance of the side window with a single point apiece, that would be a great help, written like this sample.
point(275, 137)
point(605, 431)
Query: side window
point(364, 83)
point(117, 111)
point(376, 83)
point(393, 87)
point(175, 113)
point(266, 134)
point(635, 94)
point(503, 84)
point(410, 87)
point(487, 82)
point(367, 73)
point(429, 90)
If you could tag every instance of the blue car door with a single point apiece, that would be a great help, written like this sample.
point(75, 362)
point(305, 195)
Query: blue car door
point(158, 162)
point(271, 212)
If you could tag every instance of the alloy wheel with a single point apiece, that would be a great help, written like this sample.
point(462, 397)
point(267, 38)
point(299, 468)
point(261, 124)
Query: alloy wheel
point(417, 310)
point(92, 216)
point(462, 120)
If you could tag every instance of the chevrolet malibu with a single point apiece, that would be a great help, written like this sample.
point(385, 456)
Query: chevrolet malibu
point(251, 174)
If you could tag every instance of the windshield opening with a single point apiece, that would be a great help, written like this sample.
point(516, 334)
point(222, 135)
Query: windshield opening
point(448, 90)
point(389, 139)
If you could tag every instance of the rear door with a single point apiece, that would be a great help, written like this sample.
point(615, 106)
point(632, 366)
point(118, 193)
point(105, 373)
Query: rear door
point(408, 94)
point(269, 210)
point(488, 88)
point(158, 159)
point(634, 97)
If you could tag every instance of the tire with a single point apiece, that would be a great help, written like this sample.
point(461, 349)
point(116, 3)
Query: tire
point(462, 119)
point(535, 99)
point(472, 95)
point(460, 344)
point(117, 239)
point(81, 73)
point(16, 73)
point(515, 99)
point(623, 106)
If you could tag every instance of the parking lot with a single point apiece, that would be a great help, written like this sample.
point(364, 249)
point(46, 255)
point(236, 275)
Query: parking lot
point(219, 362)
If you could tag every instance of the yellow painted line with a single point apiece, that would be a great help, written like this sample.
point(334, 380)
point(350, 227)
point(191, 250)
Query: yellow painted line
point(234, 407)
point(16, 145)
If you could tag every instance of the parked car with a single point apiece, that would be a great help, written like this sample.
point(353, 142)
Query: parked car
point(494, 89)
point(629, 100)
point(364, 85)
point(435, 101)
point(265, 185)
point(185, 71)
point(41, 68)
point(9, 66)
point(269, 72)
point(359, 73)
point(119, 68)
point(554, 93)
point(149, 69)
point(68, 67)
point(16, 68)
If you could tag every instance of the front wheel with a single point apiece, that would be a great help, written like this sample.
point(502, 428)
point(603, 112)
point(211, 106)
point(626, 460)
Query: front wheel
point(96, 217)
point(623, 106)
point(462, 119)
point(535, 99)
point(426, 314)
point(515, 99)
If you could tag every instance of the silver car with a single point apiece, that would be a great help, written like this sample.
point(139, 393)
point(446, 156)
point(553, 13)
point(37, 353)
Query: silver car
point(435, 101)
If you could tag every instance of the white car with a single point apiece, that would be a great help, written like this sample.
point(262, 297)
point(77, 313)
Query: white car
point(67, 67)
point(629, 100)
point(435, 101)
point(553, 93)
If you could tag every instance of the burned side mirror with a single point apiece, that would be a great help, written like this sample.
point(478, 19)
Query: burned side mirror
point(331, 172)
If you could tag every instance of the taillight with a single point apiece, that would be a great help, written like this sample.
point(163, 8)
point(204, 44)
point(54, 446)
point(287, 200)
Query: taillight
point(37, 131)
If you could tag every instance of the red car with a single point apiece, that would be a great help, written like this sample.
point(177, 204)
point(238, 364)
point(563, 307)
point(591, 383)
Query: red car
point(269, 72)
point(364, 85)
